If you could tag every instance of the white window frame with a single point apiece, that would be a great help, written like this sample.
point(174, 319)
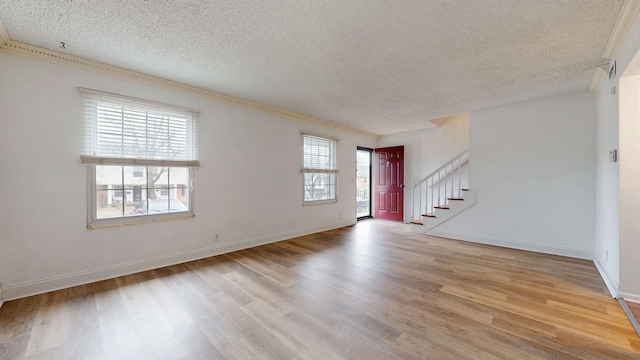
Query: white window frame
point(328, 168)
point(93, 154)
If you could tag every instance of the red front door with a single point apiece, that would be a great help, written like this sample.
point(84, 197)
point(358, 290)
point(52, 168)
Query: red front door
point(389, 185)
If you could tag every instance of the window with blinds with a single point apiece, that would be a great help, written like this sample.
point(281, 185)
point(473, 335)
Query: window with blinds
point(140, 156)
point(320, 171)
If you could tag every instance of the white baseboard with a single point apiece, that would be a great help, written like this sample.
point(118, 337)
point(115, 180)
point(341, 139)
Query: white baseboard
point(610, 281)
point(514, 244)
point(634, 298)
point(1, 298)
point(21, 290)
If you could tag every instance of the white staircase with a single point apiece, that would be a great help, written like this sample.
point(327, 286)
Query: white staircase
point(442, 194)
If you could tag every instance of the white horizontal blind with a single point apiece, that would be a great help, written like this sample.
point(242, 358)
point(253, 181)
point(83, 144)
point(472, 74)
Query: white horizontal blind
point(319, 154)
point(119, 127)
point(319, 169)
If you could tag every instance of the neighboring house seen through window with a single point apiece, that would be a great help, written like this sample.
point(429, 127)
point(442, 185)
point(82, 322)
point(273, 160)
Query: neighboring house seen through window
point(140, 156)
point(138, 171)
point(320, 169)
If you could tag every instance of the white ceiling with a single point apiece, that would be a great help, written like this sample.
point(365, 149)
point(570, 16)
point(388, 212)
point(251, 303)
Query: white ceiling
point(379, 66)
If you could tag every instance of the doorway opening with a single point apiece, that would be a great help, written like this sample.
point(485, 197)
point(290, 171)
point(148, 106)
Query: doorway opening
point(363, 183)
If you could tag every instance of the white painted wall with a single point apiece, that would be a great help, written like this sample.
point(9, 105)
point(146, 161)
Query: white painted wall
point(607, 252)
point(3, 150)
point(426, 150)
point(629, 178)
point(532, 167)
point(248, 188)
point(610, 222)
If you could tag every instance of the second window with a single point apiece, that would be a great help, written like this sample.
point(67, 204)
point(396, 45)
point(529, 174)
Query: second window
point(320, 169)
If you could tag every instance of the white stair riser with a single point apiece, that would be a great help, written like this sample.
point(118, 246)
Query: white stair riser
point(442, 215)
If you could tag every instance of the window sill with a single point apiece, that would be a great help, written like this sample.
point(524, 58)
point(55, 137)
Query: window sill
point(137, 221)
point(319, 202)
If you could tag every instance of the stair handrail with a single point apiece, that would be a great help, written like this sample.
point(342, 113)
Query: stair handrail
point(437, 171)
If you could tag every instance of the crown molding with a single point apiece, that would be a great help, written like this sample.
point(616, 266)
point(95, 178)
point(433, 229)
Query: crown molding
point(37, 53)
point(626, 22)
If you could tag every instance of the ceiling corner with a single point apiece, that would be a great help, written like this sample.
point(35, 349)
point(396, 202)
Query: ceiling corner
point(4, 35)
point(598, 77)
point(440, 121)
point(627, 20)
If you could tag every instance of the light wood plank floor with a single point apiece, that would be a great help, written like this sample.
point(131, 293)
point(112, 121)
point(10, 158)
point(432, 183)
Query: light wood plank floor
point(635, 309)
point(369, 291)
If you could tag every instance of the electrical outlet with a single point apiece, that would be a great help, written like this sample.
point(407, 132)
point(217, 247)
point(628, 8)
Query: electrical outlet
point(217, 238)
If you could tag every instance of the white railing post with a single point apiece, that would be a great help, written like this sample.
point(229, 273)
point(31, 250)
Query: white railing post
point(419, 205)
point(450, 193)
point(413, 195)
point(444, 201)
point(426, 199)
point(439, 187)
point(432, 200)
point(459, 173)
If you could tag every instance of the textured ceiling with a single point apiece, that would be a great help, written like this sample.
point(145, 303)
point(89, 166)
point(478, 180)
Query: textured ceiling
point(379, 66)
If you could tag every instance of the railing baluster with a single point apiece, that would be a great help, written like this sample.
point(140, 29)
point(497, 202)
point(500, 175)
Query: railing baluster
point(439, 187)
point(419, 205)
point(433, 194)
point(444, 201)
point(451, 173)
point(426, 199)
point(413, 201)
point(431, 205)
point(459, 176)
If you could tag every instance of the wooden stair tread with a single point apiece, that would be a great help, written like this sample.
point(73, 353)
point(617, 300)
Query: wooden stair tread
point(416, 223)
point(441, 207)
point(429, 215)
point(464, 189)
point(456, 199)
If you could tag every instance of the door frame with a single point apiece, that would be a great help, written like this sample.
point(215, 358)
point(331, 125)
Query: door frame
point(371, 179)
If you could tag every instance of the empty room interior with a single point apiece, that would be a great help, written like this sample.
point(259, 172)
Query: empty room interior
point(320, 179)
